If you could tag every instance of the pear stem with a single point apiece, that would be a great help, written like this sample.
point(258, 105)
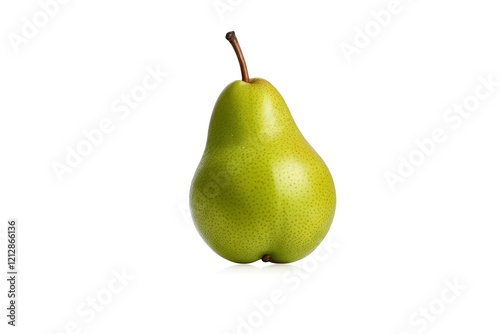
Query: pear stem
point(231, 37)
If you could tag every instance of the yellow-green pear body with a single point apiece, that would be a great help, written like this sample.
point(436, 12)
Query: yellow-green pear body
point(260, 188)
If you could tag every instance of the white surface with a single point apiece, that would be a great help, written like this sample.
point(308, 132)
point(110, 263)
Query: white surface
point(125, 205)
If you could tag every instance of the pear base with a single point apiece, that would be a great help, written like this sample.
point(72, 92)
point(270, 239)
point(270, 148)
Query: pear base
point(267, 258)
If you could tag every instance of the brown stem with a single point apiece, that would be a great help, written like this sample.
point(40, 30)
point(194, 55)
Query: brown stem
point(231, 37)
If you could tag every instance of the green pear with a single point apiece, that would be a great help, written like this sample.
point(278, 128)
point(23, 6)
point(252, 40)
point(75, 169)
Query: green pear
point(260, 190)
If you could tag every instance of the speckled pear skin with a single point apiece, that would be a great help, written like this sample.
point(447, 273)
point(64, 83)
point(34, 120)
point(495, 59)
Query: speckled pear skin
point(260, 188)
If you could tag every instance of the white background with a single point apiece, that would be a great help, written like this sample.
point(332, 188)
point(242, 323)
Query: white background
point(124, 207)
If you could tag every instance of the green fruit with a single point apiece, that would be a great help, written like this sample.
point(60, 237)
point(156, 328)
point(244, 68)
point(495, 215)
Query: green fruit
point(260, 190)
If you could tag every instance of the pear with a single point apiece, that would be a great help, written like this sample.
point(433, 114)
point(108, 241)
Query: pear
point(260, 190)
